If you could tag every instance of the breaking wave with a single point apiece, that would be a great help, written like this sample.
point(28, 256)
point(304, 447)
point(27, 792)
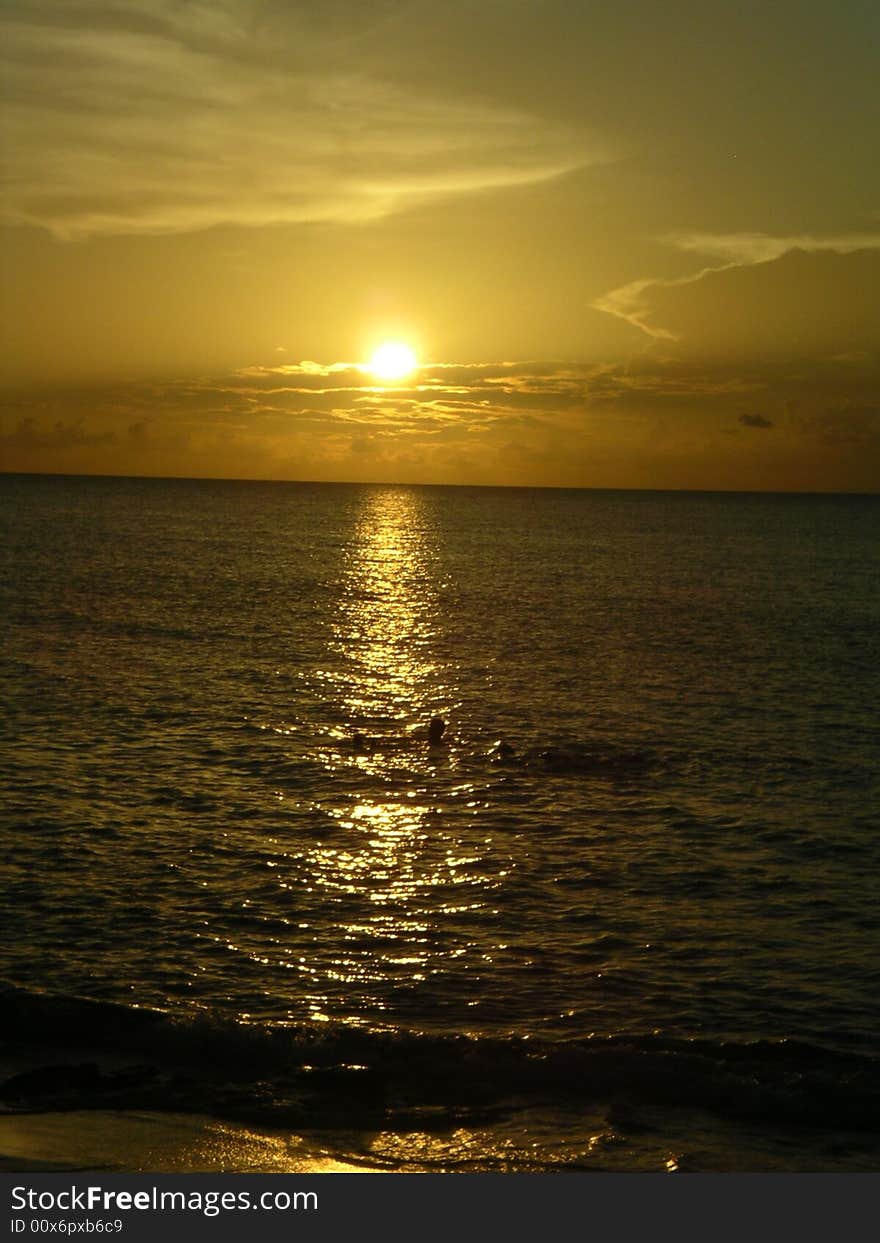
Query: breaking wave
point(321, 1073)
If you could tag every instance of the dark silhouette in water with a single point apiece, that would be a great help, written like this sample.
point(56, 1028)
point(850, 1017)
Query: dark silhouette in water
point(576, 759)
point(362, 745)
point(595, 760)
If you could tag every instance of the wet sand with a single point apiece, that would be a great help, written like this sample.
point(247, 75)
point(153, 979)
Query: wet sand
point(127, 1141)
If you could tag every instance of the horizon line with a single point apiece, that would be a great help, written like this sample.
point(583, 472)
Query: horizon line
point(390, 483)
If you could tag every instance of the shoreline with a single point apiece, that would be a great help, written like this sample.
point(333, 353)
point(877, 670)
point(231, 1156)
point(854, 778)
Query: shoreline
point(123, 1141)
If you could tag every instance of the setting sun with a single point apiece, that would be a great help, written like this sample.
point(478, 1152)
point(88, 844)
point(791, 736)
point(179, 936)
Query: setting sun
point(392, 361)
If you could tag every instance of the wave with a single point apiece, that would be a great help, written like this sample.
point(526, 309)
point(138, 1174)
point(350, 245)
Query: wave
point(317, 1075)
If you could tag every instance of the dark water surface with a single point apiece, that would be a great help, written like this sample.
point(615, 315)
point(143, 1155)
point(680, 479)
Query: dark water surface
point(668, 869)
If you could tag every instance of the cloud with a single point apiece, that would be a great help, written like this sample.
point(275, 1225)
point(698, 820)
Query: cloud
point(740, 248)
point(631, 303)
point(319, 407)
point(29, 436)
point(465, 397)
point(149, 117)
point(771, 301)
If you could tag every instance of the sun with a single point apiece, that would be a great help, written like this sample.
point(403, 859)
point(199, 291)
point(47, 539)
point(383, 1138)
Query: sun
point(393, 360)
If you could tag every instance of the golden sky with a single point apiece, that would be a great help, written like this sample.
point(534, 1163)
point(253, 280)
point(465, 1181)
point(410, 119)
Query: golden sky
point(633, 245)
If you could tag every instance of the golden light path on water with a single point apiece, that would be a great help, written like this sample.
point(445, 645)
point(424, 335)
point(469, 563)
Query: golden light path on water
point(386, 626)
point(392, 888)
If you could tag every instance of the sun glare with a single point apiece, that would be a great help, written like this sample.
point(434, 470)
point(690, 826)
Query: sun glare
point(392, 361)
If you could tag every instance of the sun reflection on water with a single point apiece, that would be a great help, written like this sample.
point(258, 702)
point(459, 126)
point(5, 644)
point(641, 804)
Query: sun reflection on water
point(388, 888)
point(386, 628)
point(399, 884)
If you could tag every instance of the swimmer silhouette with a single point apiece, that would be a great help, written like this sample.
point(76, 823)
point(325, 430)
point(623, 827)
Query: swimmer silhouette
point(436, 730)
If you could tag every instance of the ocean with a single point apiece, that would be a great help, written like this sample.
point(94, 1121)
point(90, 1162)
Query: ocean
point(624, 917)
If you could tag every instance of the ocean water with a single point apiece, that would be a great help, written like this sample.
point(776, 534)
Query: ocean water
point(625, 917)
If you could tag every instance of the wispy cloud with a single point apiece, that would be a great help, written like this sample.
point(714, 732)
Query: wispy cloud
point(747, 248)
point(631, 303)
point(782, 295)
point(158, 116)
